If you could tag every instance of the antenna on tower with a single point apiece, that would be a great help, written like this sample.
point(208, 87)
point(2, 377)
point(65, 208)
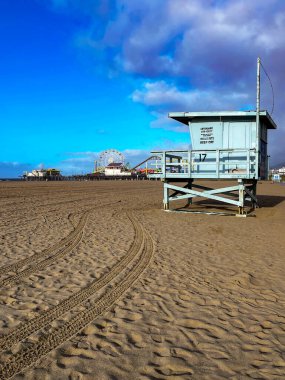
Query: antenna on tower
point(257, 147)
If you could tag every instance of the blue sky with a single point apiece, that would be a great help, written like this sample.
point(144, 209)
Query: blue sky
point(81, 77)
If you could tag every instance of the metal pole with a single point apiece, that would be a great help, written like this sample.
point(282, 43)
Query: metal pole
point(165, 196)
point(257, 147)
point(268, 168)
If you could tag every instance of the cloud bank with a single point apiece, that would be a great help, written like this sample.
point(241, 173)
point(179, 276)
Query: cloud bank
point(13, 169)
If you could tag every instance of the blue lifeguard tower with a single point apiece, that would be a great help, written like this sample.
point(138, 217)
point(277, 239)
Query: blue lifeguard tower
point(229, 145)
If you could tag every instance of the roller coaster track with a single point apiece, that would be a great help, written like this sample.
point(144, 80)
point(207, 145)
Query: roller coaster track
point(143, 246)
point(148, 159)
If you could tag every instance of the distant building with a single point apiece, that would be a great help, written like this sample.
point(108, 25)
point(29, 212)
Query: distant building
point(42, 174)
point(276, 177)
point(116, 169)
point(36, 173)
point(279, 171)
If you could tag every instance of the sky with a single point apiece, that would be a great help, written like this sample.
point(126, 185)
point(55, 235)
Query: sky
point(79, 77)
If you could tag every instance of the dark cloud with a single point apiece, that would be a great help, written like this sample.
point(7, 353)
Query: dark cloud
point(194, 54)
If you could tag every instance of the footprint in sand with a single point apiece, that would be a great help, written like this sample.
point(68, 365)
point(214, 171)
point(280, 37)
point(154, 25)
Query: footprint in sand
point(75, 376)
point(162, 352)
point(89, 330)
point(168, 370)
point(215, 331)
point(136, 340)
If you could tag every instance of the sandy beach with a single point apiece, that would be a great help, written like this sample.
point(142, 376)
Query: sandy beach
point(98, 282)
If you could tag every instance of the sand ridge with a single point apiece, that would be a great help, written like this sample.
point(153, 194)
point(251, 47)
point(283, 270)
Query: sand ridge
point(101, 283)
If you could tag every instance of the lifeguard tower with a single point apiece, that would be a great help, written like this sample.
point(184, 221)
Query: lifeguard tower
point(229, 145)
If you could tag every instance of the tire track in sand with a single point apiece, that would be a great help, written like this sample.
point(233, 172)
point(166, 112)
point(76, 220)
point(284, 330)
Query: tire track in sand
point(41, 260)
point(30, 355)
point(14, 267)
point(60, 250)
point(46, 317)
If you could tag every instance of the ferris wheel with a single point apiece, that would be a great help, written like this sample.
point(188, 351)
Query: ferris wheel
point(110, 156)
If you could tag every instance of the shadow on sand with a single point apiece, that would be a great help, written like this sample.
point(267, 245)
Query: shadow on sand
point(211, 205)
point(269, 200)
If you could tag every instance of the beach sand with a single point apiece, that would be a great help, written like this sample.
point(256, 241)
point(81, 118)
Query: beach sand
point(97, 282)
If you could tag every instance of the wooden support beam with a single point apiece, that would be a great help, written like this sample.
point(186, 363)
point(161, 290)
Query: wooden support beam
point(206, 194)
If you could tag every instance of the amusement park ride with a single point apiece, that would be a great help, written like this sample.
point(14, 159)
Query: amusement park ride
point(111, 163)
point(226, 146)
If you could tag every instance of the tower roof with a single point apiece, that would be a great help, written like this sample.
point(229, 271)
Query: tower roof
point(189, 117)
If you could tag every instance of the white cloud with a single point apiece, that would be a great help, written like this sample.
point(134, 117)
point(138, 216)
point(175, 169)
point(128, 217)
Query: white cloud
point(160, 93)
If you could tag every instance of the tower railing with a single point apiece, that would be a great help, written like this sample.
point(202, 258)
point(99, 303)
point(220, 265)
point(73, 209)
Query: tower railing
point(207, 163)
